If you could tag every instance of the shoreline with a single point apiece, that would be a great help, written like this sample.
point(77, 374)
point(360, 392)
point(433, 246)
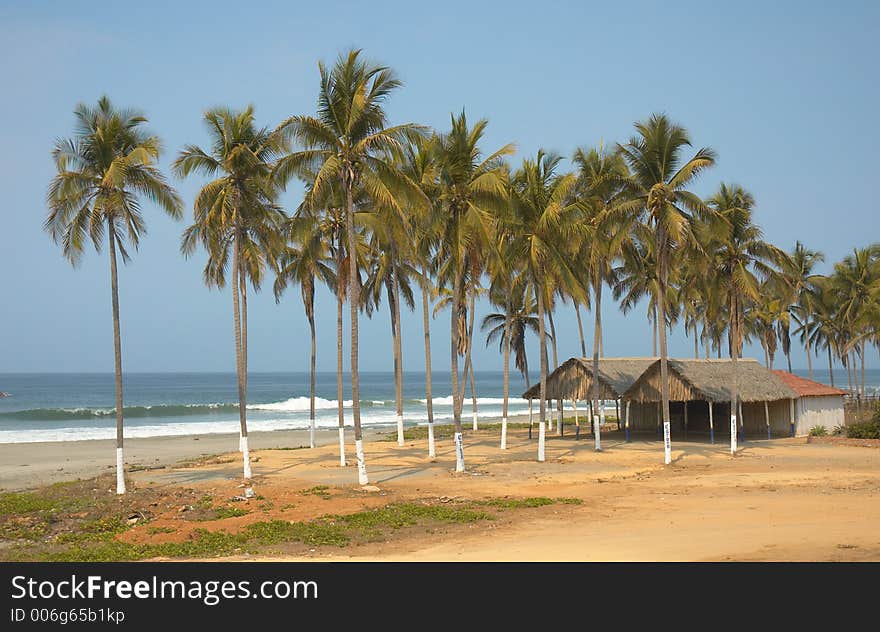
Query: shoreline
point(29, 465)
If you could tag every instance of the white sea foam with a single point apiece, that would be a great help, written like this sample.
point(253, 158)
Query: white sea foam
point(327, 420)
point(300, 404)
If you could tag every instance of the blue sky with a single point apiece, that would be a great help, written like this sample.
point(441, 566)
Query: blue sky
point(786, 93)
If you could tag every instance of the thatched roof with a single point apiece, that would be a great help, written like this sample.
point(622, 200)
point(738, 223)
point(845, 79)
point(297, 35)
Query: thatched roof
point(574, 378)
point(710, 380)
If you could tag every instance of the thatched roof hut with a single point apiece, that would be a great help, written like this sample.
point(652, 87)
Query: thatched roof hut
point(710, 381)
point(574, 378)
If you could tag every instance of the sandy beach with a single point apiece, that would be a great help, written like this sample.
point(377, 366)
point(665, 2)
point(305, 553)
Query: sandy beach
point(28, 465)
point(780, 499)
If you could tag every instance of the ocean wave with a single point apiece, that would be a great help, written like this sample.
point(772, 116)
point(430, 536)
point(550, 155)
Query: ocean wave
point(167, 410)
point(375, 418)
point(300, 404)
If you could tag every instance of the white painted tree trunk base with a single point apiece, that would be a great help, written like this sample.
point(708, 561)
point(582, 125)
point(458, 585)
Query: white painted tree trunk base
point(120, 471)
point(504, 433)
point(400, 441)
point(246, 457)
point(311, 433)
point(733, 434)
point(240, 448)
point(475, 421)
point(667, 442)
point(432, 446)
point(597, 427)
point(542, 431)
point(459, 453)
point(342, 447)
point(362, 466)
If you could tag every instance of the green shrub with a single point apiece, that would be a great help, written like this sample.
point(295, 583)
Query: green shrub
point(864, 430)
point(818, 431)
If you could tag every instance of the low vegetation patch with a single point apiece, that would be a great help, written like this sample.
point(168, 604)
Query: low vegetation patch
point(43, 530)
point(818, 431)
point(864, 430)
point(323, 491)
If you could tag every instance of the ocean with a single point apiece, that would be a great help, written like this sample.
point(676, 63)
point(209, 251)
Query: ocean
point(80, 406)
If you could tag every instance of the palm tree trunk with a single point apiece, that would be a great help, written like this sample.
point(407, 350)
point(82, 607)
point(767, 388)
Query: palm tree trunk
point(506, 379)
point(863, 370)
point(340, 407)
point(236, 316)
point(542, 393)
point(242, 276)
point(661, 326)
point(597, 336)
point(117, 362)
point(312, 381)
point(849, 380)
point(398, 355)
point(456, 395)
point(473, 392)
point(830, 365)
point(809, 357)
point(354, 301)
point(734, 353)
point(469, 362)
point(429, 403)
point(577, 310)
point(555, 366)
point(654, 332)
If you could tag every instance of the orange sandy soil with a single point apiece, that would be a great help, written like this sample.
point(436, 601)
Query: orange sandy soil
point(784, 499)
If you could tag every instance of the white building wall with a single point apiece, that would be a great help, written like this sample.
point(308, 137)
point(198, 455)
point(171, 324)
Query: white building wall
point(826, 410)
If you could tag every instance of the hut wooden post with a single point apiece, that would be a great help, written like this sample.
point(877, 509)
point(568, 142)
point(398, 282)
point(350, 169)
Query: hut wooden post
point(791, 419)
point(627, 421)
point(592, 430)
point(559, 420)
point(617, 412)
point(767, 417)
point(734, 428)
point(711, 424)
point(685, 404)
point(658, 420)
point(742, 422)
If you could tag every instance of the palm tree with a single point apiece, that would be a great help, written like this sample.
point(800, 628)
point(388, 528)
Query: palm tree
point(328, 212)
point(741, 260)
point(389, 270)
point(418, 163)
point(103, 173)
point(471, 191)
point(855, 283)
point(636, 278)
point(509, 328)
point(302, 262)
point(821, 327)
point(544, 221)
point(235, 211)
point(802, 281)
point(600, 184)
point(349, 143)
point(660, 178)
